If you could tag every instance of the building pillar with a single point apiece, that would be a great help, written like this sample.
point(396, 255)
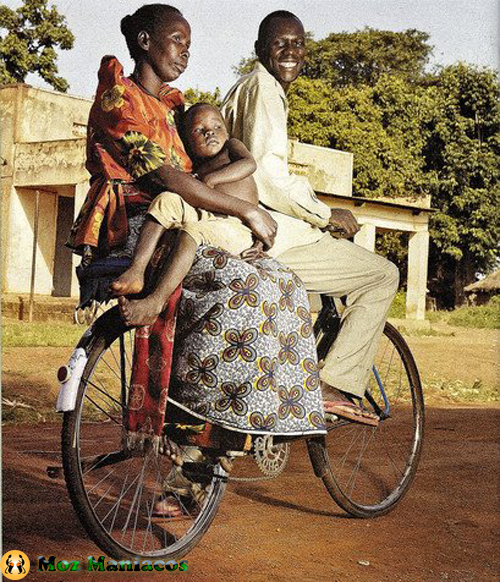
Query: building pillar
point(366, 236)
point(418, 255)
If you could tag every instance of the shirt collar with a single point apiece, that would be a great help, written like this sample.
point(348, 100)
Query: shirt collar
point(259, 68)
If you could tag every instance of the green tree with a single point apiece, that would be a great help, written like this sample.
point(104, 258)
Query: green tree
point(380, 125)
point(196, 96)
point(463, 152)
point(363, 57)
point(29, 38)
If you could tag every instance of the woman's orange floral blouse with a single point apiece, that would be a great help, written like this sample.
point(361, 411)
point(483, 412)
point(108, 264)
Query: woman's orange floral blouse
point(130, 133)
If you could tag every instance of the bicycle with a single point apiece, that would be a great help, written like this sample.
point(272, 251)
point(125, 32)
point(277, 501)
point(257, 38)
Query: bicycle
point(366, 470)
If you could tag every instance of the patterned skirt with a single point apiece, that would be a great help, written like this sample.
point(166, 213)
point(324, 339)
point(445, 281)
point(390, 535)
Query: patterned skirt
point(245, 355)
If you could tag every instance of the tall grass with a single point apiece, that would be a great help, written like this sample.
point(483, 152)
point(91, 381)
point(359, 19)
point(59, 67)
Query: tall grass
point(481, 317)
point(40, 334)
point(398, 307)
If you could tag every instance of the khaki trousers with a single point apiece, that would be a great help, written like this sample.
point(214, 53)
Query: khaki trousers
point(226, 232)
point(340, 268)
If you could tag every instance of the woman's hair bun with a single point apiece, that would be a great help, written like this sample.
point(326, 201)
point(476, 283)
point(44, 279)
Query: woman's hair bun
point(125, 24)
point(148, 18)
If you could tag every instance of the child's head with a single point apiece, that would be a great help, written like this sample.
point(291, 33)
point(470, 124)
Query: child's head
point(204, 131)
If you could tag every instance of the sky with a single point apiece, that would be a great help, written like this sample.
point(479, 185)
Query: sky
point(223, 32)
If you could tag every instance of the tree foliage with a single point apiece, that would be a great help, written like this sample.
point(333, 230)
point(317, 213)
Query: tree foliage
point(363, 57)
point(29, 38)
point(463, 152)
point(196, 96)
point(379, 125)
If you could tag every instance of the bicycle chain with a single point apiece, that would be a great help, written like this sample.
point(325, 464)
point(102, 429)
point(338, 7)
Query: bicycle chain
point(251, 479)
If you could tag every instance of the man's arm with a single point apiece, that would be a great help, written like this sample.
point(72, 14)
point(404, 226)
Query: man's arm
point(257, 116)
point(242, 165)
point(199, 195)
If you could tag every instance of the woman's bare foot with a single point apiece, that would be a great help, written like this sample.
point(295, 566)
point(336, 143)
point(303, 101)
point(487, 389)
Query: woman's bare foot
point(141, 311)
point(129, 283)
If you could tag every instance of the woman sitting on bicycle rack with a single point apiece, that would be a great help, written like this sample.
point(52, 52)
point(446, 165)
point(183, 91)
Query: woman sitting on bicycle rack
point(245, 356)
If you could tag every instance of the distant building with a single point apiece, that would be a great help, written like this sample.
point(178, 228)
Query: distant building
point(44, 183)
point(480, 292)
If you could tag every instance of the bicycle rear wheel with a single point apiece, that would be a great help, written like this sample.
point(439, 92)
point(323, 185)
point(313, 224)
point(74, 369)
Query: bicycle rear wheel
point(367, 470)
point(114, 492)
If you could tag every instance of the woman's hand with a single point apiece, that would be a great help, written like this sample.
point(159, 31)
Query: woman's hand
point(262, 224)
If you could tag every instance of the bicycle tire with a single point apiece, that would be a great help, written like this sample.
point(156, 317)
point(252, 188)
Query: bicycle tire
point(356, 461)
point(88, 430)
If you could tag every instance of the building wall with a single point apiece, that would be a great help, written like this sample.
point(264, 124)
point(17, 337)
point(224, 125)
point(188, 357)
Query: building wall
point(43, 115)
point(328, 170)
point(42, 145)
point(22, 220)
point(8, 102)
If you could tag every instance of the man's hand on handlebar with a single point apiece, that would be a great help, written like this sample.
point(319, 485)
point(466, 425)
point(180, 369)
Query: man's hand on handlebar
point(262, 224)
point(342, 224)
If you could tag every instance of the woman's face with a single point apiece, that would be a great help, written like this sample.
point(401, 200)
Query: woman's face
point(167, 51)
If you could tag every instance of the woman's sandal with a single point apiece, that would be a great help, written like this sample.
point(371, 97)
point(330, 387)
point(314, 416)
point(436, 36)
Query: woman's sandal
point(173, 508)
point(342, 405)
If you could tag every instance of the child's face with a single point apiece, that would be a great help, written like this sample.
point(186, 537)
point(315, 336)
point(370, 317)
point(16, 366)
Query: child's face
point(206, 132)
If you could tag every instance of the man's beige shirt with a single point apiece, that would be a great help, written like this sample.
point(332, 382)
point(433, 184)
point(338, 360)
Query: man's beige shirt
point(255, 110)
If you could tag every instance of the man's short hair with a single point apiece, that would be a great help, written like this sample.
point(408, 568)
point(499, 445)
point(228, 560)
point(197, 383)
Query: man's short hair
point(265, 25)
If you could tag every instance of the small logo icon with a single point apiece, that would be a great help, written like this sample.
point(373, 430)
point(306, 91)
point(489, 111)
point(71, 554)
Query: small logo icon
point(15, 565)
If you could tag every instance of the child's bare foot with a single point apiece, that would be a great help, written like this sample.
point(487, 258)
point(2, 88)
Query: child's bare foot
point(139, 312)
point(129, 283)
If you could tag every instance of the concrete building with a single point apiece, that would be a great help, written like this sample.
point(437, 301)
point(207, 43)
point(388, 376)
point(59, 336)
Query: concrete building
point(44, 183)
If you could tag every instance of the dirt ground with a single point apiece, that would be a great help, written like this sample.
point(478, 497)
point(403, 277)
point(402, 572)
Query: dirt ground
point(467, 356)
point(446, 529)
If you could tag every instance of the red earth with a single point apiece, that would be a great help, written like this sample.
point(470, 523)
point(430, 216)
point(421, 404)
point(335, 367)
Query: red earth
point(446, 529)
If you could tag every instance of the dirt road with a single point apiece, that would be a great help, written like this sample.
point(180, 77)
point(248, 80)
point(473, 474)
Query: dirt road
point(289, 529)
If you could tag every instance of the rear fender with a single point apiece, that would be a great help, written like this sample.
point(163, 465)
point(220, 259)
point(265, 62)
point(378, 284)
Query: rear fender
point(109, 326)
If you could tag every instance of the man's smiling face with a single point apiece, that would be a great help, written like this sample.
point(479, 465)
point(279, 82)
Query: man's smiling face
point(283, 50)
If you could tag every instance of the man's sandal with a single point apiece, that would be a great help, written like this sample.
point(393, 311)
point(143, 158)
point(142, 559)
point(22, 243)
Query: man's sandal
point(344, 406)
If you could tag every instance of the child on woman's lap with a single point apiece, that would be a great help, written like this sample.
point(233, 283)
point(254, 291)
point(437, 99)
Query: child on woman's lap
point(220, 162)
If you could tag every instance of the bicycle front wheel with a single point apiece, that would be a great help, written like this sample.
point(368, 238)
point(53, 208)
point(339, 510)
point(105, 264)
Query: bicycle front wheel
point(114, 492)
point(367, 470)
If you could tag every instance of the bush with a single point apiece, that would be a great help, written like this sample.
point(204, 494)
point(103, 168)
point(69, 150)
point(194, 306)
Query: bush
point(398, 307)
point(481, 317)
